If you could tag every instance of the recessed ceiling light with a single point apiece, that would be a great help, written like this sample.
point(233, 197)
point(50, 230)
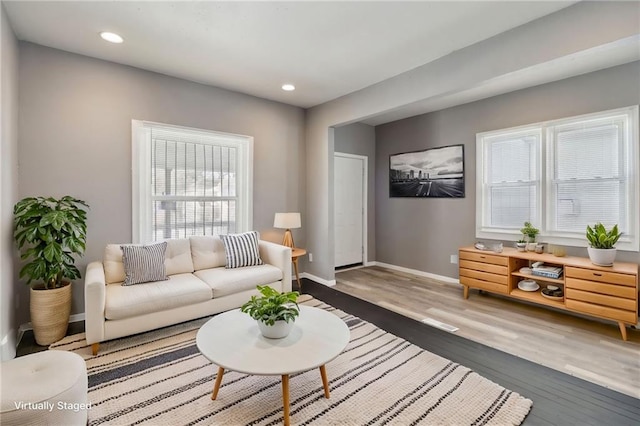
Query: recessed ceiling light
point(288, 87)
point(111, 37)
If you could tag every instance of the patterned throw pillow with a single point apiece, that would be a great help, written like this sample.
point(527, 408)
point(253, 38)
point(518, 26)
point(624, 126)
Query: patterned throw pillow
point(241, 249)
point(143, 264)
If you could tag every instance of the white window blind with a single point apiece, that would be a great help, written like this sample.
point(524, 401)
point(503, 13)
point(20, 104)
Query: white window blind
point(589, 182)
point(189, 182)
point(513, 180)
point(561, 176)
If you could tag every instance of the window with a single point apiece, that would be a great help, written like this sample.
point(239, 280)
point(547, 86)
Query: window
point(561, 176)
point(189, 182)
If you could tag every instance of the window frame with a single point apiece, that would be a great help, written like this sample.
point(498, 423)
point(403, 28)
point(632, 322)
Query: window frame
point(142, 200)
point(630, 240)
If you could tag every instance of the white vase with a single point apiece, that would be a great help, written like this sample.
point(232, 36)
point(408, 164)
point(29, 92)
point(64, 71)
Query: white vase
point(278, 330)
point(602, 257)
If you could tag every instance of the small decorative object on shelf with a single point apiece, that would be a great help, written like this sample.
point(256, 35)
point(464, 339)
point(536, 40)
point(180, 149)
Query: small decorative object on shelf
point(601, 244)
point(521, 245)
point(557, 251)
point(494, 247)
point(539, 248)
point(275, 312)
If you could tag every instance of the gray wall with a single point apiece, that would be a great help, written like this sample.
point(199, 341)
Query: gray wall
point(75, 138)
point(570, 33)
point(8, 185)
point(360, 139)
point(422, 233)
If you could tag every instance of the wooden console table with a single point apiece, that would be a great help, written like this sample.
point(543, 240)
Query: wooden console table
point(608, 292)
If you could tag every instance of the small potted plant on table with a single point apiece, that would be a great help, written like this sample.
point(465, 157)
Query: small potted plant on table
point(531, 232)
point(275, 312)
point(601, 244)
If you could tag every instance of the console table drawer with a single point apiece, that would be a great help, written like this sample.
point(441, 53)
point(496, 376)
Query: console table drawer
point(484, 267)
point(601, 299)
point(485, 276)
point(484, 285)
point(602, 311)
point(484, 258)
point(596, 287)
point(600, 276)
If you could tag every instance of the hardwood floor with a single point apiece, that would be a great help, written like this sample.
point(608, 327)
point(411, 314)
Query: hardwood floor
point(586, 348)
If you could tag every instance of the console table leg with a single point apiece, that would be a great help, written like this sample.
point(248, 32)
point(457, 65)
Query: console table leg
point(285, 398)
point(623, 330)
point(465, 292)
point(325, 382)
point(216, 387)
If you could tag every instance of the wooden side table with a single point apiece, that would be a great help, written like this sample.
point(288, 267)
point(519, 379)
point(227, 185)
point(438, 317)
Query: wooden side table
point(296, 253)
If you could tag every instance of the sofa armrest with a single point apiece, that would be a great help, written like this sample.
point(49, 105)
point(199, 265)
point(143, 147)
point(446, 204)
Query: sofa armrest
point(94, 302)
point(278, 256)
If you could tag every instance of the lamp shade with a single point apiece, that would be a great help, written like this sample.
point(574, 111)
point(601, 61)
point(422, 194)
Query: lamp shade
point(287, 220)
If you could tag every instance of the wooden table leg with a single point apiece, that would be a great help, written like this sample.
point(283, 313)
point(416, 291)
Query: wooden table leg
point(623, 330)
point(325, 382)
point(465, 292)
point(295, 267)
point(285, 398)
point(214, 395)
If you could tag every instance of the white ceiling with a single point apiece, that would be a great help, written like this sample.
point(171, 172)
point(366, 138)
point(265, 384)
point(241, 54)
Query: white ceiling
point(327, 49)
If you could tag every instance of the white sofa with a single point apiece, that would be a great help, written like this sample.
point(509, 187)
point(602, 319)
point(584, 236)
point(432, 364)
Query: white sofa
point(199, 285)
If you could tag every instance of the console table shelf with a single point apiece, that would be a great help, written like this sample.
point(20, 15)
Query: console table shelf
point(608, 292)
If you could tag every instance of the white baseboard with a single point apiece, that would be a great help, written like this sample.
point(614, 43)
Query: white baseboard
point(371, 263)
point(28, 326)
point(328, 283)
point(8, 346)
point(448, 280)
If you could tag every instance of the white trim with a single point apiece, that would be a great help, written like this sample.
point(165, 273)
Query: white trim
point(29, 326)
point(372, 263)
point(8, 346)
point(328, 283)
point(365, 195)
point(448, 280)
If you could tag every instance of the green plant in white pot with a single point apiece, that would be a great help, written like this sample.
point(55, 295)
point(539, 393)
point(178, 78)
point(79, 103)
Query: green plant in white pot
point(531, 232)
point(50, 232)
point(275, 312)
point(602, 251)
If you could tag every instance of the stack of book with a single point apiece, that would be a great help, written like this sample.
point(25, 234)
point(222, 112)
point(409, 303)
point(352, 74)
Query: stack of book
point(547, 271)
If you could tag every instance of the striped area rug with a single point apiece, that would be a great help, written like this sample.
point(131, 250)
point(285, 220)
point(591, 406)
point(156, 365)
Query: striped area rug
point(160, 378)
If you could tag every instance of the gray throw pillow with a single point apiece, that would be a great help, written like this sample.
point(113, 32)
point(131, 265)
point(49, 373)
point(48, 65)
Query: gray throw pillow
point(241, 249)
point(144, 263)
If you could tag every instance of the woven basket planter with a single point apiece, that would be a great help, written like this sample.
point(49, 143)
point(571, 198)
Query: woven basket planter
point(50, 310)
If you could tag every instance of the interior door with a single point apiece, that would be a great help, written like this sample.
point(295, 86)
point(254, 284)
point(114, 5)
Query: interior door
point(348, 209)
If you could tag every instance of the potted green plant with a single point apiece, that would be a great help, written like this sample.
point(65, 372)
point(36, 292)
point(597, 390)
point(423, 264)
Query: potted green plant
point(521, 244)
point(601, 244)
point(50, 232)
point(531, 232)
point(275, 312)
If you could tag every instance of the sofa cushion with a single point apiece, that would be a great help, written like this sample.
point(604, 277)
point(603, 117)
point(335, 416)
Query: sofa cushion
point(229, 281)
point(130, 301)
point(241, 249)
point(207, 252)
point(143, 263)
point(177, 260)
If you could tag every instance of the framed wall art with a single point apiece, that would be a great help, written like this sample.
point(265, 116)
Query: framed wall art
point(431, 173)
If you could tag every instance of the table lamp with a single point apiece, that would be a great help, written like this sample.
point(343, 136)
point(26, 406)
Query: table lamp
point(287, 221)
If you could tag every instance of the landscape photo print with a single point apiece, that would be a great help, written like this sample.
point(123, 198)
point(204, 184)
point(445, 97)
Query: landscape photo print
point(431, 173)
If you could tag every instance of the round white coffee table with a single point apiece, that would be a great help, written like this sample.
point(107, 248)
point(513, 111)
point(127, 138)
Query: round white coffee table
point(232, 341)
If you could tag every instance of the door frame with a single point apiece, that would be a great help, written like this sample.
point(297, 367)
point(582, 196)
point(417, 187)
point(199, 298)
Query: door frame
point(365, 210)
